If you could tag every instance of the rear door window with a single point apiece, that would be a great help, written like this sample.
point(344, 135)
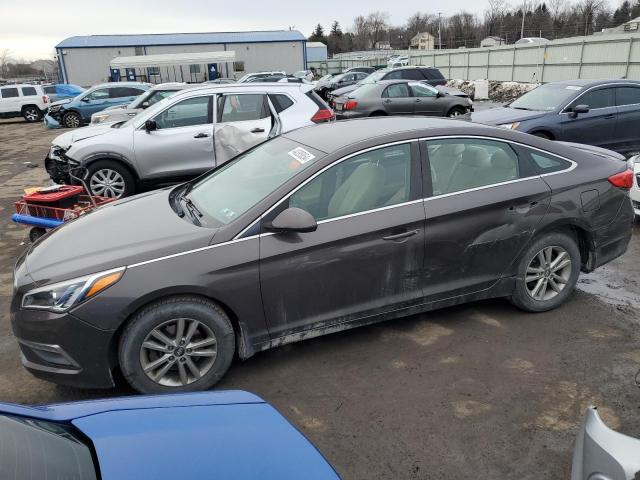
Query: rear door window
point(627, 96)
point(124, 92)
point(29, 91)
point(411, 74)
point(397, 90)
point(9, 92)
point(242, 107)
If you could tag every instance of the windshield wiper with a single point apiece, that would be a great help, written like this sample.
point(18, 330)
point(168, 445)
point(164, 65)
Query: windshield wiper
point(522, 108)
point(194, 212)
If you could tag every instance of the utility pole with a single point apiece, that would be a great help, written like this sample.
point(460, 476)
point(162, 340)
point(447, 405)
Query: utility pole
point(439, 30)
point(524, 13)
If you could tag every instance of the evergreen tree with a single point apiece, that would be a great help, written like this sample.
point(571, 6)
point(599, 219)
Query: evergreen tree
point(318, 35)
point(622, 14)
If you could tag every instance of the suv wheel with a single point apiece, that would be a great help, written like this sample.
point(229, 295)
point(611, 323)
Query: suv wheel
point(107, 178)
point(177, 345)
point(71, 120)
point(547, 273)
point(456, 112)
point(31, 113)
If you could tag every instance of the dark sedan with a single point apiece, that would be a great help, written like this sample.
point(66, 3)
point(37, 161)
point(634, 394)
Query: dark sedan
point(399, 97)
point(319, 230)
point(605, 113)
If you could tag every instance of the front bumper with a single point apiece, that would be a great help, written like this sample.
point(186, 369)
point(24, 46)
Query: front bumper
point(603, 454)
point(51, 122)
point(63, 349)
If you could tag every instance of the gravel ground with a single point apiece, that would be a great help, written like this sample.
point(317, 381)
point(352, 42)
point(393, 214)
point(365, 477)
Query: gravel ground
point(477, 391)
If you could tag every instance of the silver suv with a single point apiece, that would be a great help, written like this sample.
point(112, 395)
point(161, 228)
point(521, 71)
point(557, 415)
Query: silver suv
point(183, 135)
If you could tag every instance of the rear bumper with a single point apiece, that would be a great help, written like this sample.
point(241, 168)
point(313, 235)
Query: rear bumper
point(63, 349)
point(613, 240)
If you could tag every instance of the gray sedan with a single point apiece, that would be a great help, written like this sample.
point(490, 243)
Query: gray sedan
point(399, 97)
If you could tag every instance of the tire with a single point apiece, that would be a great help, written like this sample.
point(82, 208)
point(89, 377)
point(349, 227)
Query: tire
point(108, 178)
point(542, 135)
point(35, 233)
point(31, 113)
point(164, 315)
point(71, 120)
point(456, 112)
point(553, 243)
point(378, 113)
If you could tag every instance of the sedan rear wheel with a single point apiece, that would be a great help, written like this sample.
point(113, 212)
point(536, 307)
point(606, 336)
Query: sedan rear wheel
point(455, 112)
point(178, 344)
point(547, 273)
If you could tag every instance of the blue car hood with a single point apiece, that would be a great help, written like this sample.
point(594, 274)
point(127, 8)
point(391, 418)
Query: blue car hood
point(500, 115)
point(206, 435)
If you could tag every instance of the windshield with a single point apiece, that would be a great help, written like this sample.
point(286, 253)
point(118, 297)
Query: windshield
point(33, 448)
point(374, 77)
point(236, 187)
point(546, 97)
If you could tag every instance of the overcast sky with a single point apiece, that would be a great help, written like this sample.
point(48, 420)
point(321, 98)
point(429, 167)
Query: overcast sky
point(30, 29)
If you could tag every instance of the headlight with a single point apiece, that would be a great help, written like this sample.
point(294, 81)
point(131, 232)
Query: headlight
point(60, 297)
point(99, 118)
point(510, 126)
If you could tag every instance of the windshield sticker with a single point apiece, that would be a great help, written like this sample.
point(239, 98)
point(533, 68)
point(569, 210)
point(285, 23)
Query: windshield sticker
point(301, 155)
point(572, 87)
point(228, 213)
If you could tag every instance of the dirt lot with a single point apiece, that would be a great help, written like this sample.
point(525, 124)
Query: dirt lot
point(478, 391)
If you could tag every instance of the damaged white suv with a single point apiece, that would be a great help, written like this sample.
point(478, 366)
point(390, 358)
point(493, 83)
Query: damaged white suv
point(183, 136)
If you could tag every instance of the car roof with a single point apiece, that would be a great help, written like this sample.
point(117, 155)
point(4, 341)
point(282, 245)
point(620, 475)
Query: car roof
point(170, 86)
point(591, 82)
point(333, 136)
point(222, 88)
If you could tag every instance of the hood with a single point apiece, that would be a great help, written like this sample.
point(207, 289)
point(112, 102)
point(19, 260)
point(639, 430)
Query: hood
point(344, 90)
point(66, 139)
point(132, 230)
point(61, 102)
point(243, 440)
point(500, 115)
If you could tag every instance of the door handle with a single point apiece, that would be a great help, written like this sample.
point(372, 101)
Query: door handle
point(201, 135)
point(400, 236)
point(257, 130)
point(607, 117)
point(387, 101)
point(522, 208)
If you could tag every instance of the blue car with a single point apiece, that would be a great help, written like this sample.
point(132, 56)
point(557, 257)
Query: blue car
point(73, 113)
point(221, 435)
point(604, 113)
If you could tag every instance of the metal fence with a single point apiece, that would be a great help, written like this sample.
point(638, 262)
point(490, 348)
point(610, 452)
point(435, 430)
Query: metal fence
point(596, 56)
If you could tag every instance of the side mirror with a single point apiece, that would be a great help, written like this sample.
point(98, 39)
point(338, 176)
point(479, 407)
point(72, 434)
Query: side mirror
point(145, 105)
point(578, 109)
point(439, 95)
point(150, 126)
point(293, 220)
point(84, 99)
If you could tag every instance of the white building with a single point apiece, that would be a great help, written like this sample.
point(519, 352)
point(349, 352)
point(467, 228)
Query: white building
point(492, 42)
point(85, 60)
point(423, 41)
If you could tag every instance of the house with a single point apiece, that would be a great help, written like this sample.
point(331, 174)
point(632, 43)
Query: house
point(492, 42)
point(383, 45)
point(423, 41)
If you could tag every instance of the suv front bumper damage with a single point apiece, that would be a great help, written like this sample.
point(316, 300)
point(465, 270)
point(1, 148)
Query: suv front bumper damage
point(57, 165)
point(603, 454)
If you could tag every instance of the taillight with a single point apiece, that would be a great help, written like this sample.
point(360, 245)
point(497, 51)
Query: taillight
point(45, 99)
point(323, 115)
point(622, 179)
point(349, 105)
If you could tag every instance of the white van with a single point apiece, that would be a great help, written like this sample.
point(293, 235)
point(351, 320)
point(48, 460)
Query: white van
point(23, 100)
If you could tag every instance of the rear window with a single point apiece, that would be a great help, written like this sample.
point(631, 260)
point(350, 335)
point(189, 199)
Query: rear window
point(412, 74)
point(547, 163)
point(432, 74)
point(28, 91)
point(50, 89)
point(9, 92)
point(280, 101)
point(31, 448)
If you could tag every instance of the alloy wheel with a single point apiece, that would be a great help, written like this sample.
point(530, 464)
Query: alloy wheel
point(72, 121)
point(31, 114)
point(455, 113)
point(178, 352)
point(548, 273)
point(107, 183)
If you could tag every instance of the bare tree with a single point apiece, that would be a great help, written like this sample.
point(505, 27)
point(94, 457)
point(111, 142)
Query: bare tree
point(5, 59)
point(589, 9)
point(493, 17)
point(378, 23)
point(360, 32)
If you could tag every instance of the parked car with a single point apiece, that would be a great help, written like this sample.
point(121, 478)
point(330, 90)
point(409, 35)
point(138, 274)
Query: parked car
point(75, 112)
point(339, 81)
point(429, 74)
point(316, 231)
point(61, 91)
point(604, 113)
point(277, 78)
point(367, 70)
point(635, 189)
point(152, 96)
point(219, 81)
point(399, 97)
point(532, 40)
point(401, 61)
point(249, 76)
point(178, 138)
point(226, 434)
point(602, 453)
point(23, 100)
point(304, 74)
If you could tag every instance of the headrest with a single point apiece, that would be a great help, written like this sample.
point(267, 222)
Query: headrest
point(451, 149)
point(500, 159)
point(476, 157)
